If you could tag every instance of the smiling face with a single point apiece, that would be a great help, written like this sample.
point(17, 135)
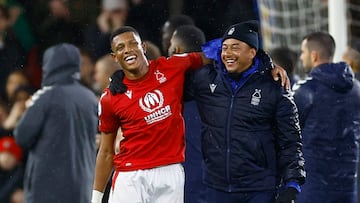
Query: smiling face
point(236, 55)
point(129, 52)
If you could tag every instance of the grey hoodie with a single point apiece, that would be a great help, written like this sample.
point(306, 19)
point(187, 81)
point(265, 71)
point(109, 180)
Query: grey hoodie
point(58, 130)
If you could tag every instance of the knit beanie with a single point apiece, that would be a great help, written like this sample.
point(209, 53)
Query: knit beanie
point(245, 31)
point(8, 144)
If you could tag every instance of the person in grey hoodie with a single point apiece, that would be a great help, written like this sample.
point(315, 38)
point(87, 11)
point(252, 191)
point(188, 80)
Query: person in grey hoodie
point(58, 130)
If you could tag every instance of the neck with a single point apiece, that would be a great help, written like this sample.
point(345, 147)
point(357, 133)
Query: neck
point(322, 61)
point(136, 74)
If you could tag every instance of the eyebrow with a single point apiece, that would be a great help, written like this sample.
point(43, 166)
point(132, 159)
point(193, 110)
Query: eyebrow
point(224, 44)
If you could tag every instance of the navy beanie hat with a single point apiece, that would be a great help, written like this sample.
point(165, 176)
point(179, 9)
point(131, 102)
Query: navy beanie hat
point(246, 31)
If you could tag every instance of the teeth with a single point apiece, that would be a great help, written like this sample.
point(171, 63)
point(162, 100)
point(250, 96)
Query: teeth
point(130, 58)
point(230, 61)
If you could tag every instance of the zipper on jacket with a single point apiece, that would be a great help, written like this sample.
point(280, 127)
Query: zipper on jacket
point(228, 128)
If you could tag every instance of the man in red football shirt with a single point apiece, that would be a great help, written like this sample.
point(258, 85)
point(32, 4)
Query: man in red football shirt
point(148, 168)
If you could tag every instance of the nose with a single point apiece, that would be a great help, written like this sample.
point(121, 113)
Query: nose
point(226, 52)
point(128, 48)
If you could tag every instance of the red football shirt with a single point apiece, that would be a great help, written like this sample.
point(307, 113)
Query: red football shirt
point(150, 115)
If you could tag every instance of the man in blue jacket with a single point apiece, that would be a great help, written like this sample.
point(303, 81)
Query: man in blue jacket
point(250, 131)
point(329, 110)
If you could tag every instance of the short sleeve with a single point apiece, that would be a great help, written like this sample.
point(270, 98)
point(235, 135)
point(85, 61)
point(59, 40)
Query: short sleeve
point(108, 121)
point(188, 60)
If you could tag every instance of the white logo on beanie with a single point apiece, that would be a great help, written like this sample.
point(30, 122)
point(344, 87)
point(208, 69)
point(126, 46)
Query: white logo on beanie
point(231, 31)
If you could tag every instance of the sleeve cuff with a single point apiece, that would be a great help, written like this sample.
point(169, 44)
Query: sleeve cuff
point(294, 184)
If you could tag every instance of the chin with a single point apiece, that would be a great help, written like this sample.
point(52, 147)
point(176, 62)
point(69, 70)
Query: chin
point(231, 70)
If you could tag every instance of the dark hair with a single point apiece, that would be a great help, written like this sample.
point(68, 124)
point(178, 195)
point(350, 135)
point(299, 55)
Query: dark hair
point(179, 20)
point(4, 12)
point(322, 42)
point(123, 30)
point(191, 37)
point(284, 57)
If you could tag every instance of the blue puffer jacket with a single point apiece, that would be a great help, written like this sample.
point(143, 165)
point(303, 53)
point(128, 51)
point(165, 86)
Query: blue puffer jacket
point(250, 130)
point(329, 111)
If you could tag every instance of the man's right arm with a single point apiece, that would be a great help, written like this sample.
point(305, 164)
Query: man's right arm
point(204, 59)
point(104, 165)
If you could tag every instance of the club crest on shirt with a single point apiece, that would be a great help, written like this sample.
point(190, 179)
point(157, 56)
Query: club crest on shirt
point(160, 76)
point(153, 103)
point(256, 97)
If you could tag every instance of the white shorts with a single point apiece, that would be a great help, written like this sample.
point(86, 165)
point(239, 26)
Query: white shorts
point(163, 184)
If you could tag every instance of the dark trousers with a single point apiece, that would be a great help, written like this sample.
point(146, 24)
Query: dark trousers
point(216, 196)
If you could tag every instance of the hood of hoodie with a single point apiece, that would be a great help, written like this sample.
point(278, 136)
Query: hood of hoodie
point(61, 65)
point(337, 76)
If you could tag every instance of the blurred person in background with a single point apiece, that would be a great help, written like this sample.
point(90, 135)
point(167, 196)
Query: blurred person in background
point(87, 69)
point(15, 79)
point(11, 171)
point(152, 52)
point(11, 53)
point(104, 68)
point(170, 26)
point(4, 113)
point(329, 112)
point(21, 96)
point(58, 130)
point(288, 59)
point(186, 39)
point(112, 16)
point(19, 24)
point(352, 57)
point(59, 27)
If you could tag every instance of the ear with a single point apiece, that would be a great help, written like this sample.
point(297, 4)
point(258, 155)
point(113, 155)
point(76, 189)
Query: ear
point(113, 56)
point(252, 52)
point(314, 56)
point(144, 46)
point(177, 50)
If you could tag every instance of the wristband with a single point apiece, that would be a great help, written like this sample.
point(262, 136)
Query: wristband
point(96, 196)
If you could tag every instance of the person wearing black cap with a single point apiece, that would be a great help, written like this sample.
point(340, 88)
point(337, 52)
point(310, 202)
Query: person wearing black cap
point(251, 139)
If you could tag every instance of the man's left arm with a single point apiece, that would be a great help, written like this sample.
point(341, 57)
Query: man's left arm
point(289, 146)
